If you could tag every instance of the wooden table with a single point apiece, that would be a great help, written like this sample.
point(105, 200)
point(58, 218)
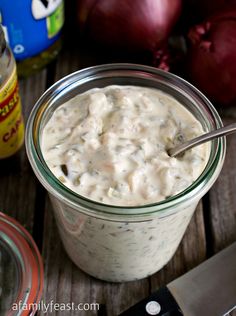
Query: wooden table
point(212, 228)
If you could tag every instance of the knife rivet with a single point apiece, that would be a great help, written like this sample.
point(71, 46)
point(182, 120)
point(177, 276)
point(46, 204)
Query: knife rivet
point(153, 308)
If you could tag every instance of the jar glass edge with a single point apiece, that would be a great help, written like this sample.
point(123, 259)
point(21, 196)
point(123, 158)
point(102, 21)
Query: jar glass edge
point(49, 182)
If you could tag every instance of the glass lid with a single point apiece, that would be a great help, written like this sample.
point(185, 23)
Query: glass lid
point(21, 270)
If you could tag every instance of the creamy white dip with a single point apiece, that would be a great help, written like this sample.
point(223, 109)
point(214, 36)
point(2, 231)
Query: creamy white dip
point(110, 145)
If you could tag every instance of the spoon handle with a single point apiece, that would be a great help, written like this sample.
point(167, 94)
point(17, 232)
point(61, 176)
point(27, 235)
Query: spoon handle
point(226, 130)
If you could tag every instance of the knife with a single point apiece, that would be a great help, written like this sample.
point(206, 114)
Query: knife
point(207, 290)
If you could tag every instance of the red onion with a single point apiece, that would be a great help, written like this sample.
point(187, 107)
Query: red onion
point(129, 24)
point(212, 56)
point(206, 7)
point(210, 6)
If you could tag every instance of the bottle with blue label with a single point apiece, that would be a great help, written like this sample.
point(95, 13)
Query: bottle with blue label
point(33, 31)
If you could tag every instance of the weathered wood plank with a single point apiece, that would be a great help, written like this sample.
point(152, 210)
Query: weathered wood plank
point(222, 224)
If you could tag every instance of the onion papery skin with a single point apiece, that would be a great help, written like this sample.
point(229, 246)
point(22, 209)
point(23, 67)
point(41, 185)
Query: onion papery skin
point(207, 7)
point(133, 25)
point(212, 56)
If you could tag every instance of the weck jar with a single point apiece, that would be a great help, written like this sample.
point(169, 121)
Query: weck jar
point(119, 243)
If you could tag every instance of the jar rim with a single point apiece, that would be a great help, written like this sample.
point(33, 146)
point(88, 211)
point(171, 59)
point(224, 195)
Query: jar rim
point(20, 246)
point(87, 75)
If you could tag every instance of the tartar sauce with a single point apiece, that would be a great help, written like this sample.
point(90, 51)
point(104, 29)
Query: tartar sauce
point(110, 145)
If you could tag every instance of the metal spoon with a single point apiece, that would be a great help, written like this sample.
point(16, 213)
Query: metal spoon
point(226, 130)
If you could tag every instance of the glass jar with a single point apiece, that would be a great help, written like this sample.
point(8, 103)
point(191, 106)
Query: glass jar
point(115, 243)
point(11, 120)
point(21, 270)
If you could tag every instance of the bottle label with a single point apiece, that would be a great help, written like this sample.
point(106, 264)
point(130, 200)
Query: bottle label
point(11, 120)
point(31, 26)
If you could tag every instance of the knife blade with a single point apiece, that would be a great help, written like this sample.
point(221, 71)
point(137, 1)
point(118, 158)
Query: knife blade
point(207, 290)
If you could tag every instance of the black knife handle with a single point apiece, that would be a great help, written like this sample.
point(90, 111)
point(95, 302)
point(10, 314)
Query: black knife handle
point(160, 303)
